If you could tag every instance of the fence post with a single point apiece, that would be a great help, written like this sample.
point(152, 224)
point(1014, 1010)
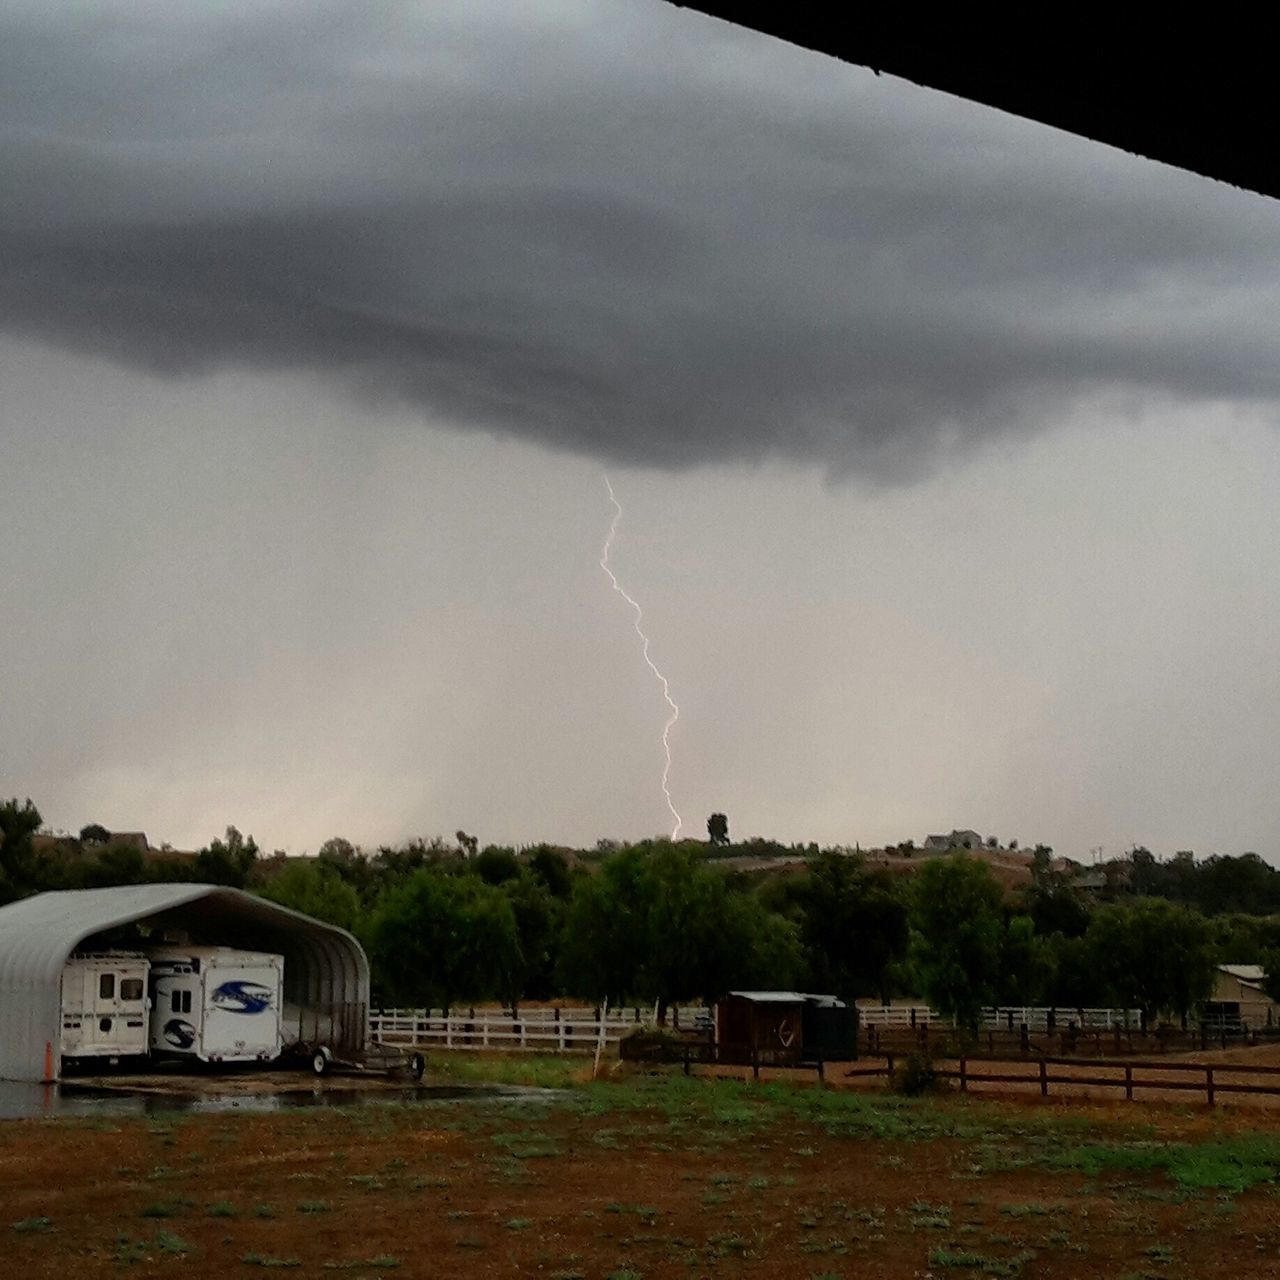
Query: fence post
point(964, 1081)
point(1044, 1079)
point(1128, 1081)
point(686, 1061)
point(755, 1063)
point(889, 1061)
point(1208, 1084)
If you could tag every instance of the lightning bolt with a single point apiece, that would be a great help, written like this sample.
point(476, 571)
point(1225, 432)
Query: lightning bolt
point(644, 639)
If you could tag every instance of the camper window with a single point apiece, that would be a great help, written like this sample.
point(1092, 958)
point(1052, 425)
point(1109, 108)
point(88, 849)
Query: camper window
point(131, 989)
point(180, 1002)
point(107, 986)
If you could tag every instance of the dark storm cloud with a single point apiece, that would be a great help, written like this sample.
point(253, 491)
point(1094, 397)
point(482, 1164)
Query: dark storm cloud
point(616, 228)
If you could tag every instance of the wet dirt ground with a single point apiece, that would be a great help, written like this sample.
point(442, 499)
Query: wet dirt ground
point(647, 1178)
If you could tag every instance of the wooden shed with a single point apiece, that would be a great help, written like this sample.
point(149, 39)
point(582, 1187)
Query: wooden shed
point(764, 1026)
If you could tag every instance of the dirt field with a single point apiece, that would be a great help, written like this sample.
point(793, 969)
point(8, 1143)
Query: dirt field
point(653, 1176)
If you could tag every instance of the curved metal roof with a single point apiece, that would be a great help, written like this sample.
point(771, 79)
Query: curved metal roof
point(325, 967)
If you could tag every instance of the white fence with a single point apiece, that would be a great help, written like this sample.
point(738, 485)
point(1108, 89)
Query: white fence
point(562, 1030)
point(1005, 1018)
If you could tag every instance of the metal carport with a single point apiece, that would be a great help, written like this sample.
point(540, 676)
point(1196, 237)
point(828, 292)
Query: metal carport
point(326, 970)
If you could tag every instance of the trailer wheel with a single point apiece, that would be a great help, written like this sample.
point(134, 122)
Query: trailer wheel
point(417, 1065)
point(321, 1061)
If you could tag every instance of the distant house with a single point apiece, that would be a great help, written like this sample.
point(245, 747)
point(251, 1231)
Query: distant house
point(956, 840)
point(1239, 997)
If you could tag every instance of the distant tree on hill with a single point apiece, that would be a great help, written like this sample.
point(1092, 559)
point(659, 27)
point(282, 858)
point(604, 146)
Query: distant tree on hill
point(18, 863)
point(552, 868)
point(228, 861)
point(94, 833)
point(495, 864)
point(468, 844)
point(718, 829)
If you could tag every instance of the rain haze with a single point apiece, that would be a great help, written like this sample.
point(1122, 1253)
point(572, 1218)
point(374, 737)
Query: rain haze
point(947, 443)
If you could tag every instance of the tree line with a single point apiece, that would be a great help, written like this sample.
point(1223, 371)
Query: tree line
point(446, 923)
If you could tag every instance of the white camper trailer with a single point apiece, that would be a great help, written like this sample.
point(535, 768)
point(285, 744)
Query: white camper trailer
point(216, 1004)
point(104, 1005)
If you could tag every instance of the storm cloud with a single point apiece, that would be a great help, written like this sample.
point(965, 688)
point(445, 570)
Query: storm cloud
point(614, 228)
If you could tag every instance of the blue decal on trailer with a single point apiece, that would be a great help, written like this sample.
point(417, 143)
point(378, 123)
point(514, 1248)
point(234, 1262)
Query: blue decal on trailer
point(180, 1034)
point(243, 997)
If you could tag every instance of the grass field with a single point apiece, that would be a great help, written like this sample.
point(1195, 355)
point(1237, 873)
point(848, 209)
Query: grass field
point(650, 1176)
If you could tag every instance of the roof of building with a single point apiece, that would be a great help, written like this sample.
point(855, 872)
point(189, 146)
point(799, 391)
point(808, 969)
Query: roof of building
point(1245, 972)
point(324, 965)
point(789, 997)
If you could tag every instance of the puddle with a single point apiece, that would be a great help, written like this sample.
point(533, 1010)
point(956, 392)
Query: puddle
point(34, 1101)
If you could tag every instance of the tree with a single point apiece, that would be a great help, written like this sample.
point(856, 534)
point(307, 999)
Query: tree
point(552, 868)
point(316, 888)
point(18, 823)
point(496, 865)
point(853, 924)
point(1026, 963)
point(437, 939)
point(1153, 954)
point(658, 923)
point(228, 861)
point(94, 833)
point(468, 844)
point(957, 936)
point(718, 829)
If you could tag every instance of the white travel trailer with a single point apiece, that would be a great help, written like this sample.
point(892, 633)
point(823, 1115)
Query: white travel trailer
point(216, 1004)
point(104, 1005)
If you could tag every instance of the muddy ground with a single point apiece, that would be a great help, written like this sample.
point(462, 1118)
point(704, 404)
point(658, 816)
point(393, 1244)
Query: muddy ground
point(653, 1176)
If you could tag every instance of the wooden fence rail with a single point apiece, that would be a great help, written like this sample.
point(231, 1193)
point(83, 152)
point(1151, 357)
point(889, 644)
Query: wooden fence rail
point(1210, 1079)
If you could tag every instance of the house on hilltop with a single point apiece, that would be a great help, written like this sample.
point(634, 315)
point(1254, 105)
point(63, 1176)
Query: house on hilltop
point(956, 840)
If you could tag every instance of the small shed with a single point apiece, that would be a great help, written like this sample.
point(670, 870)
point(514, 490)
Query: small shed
point(326, 985)
point(1240, 999)
point(783, 1027)
point(765, 1026)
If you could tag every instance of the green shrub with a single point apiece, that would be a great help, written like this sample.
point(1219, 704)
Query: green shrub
point(917, 1075)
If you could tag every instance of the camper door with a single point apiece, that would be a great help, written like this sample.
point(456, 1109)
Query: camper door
point(176, 1011)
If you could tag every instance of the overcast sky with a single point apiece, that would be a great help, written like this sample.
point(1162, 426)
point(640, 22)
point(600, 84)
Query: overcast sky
point(947, 443)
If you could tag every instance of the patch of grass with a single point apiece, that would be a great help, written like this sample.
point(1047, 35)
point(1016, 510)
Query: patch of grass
point(528, 1145)
point(543, 1071)
point(518, 1224)
point(368, 1181)
point(1230, 1164)
point(263, 1211)
point(163, 1209)
point(384, 1262)
point(167, 1242)
point(32, 1224)
point(263, 1260)
point(223, 1209)
point(314, 1206)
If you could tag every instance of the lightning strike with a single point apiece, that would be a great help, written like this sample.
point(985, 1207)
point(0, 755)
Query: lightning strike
point(636, 623)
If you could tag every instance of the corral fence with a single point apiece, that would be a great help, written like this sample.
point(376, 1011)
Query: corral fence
point(557, 1030)
point(1208, 1079)
point(1070, 1041)
point(1002, 1017)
